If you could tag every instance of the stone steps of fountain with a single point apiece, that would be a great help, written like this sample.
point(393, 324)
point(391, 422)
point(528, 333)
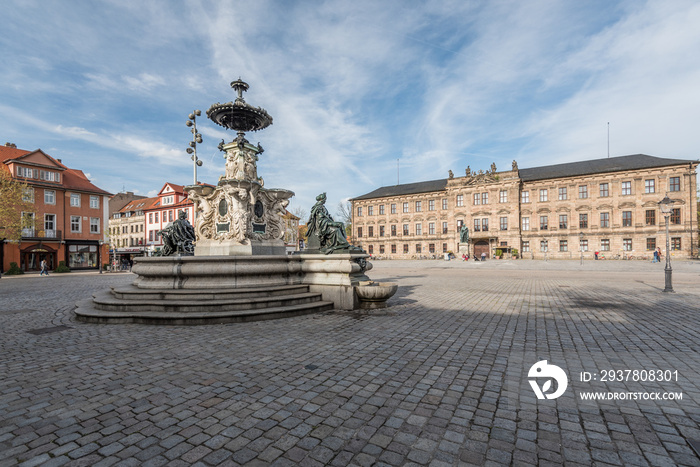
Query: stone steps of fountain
point(105, 307)
point(135, 293)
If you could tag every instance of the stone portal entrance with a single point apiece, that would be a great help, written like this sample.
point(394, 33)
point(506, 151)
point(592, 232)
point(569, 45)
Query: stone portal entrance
point(481, 247)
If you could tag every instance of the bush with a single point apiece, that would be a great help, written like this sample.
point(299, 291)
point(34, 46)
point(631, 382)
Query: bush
point(62, 267)
point(14, 270)
point(499, 252)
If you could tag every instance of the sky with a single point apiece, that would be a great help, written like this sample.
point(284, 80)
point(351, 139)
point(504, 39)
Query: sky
point(363, 94)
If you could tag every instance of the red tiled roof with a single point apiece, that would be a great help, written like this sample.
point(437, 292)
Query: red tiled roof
point(143, 203)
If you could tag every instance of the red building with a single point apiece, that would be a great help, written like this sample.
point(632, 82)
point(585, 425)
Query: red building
point(69, 217)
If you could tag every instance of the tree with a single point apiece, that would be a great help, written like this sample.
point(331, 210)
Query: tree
point(13, 202)
point(300, 213)
point(345, 216)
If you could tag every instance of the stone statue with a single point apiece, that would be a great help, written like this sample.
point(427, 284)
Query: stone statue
point(493, 168)
point(515, 165)
point(323, 232)
point(468, 171)
point(178, 237)
point(464, 234)
point(451, 175)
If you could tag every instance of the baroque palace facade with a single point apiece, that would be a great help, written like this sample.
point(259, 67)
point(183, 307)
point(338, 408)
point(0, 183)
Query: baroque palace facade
point(608, 205)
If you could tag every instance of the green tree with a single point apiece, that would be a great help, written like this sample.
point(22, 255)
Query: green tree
point(14, 200)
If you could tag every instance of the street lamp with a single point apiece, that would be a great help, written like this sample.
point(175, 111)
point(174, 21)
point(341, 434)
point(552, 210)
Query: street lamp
point(196, 138)
point(666, 206)
point(580, 245)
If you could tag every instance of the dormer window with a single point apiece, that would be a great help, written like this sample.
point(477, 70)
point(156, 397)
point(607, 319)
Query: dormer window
point(168, 200)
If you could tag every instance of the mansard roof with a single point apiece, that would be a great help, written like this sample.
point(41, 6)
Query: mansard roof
point(569, 169)
point(596, 166)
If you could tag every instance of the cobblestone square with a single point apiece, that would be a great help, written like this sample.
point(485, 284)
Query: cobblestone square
point(439, 378)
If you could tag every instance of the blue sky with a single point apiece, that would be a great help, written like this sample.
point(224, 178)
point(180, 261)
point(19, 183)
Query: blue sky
point(352, 86)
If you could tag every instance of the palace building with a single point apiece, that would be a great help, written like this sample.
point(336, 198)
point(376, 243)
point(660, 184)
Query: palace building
point(558, 211)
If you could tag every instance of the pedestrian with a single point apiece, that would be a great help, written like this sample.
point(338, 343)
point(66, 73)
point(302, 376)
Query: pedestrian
point(656, 257)
point(596, 254)
point(658, 253)
point(483, 256)
point(44, 268)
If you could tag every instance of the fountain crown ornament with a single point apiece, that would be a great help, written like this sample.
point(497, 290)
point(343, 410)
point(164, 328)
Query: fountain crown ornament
point(238, 115)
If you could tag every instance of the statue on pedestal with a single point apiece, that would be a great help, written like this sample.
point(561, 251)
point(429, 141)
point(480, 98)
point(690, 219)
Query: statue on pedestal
point(323, 232)
point(178, 237)
point(464, 234)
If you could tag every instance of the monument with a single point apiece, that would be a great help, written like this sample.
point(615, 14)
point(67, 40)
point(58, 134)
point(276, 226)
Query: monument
point(238, 269)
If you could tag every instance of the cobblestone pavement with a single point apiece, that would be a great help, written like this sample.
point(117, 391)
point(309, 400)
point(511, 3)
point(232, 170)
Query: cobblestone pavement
point(439, 378)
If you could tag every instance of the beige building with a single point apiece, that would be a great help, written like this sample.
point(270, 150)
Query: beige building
point(608, 205)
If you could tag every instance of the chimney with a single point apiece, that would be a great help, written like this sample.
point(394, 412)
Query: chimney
point(59, 161)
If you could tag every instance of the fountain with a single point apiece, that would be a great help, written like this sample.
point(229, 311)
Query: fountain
point(239, 270)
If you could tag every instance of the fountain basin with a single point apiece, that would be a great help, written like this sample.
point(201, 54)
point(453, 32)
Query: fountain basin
point(374, 295)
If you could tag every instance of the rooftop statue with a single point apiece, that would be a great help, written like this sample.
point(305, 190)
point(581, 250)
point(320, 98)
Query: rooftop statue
point(325, 234)
point(178, 237)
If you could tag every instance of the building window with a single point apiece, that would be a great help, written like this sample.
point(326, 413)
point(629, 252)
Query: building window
point(393, 230)
point(370, 210)
point(359, 232)
point(405, 247)
point(393, 249)
point(156, 215)
point(444, 204)
point(381, 249)
point(562, 194)
point(405, 229)
point(419, 206)
point(626, 218)
point(605, 244)
point(477, 225)
point(150, 235)
point(75, 200)
point(503, 196)
point(674, 184)
point(484, 198)
point(431, 228)
point(544, 223)
point(604, 190)
point(418, 249)
point(381, 230)
point(543, 194)
point(431, 205)
point(563, 221)
point(370, 231)
point(170, 216)
point(504, 223)
point(381, 209)
point(485, 225)
point(49, 197)
point(676, 216)
point(393, 208)
point(605, 219)
point(50, 225)
point(94, 202)
point(95, 225)
point(444, 247)
point(651, 244)
point(543, 246)
point(627, 244)
point(431, 247)
point(370, 249)
point(675, 243)
point(460, 200)
point(626, 188)
point(359, 211)
point(75, 224)
point(650, 217)
point(150, 218)
point(583, 221)
point(526, 223)
point(525, 197)
point(563, 245)
point(650, 186)
point(444, 227)
point(477, 198)
point(419, 229)
point(584, 245)
point(583, 191)
point(405, 207)
point(526, 246)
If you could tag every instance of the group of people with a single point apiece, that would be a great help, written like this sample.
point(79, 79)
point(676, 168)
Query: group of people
point(657, 255)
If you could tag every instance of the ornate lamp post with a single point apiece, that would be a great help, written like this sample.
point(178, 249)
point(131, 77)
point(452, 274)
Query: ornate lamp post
point(196, 138)
point(580, 245)
point(666, 206)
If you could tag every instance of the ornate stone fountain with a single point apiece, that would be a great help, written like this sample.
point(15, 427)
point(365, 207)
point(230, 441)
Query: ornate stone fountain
point(239, 270)
point(239, 216)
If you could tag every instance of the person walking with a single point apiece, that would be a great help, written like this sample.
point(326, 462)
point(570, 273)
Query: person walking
point(44, 268)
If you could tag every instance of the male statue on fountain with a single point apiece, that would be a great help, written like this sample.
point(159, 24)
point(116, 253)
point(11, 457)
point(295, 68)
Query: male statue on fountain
point(178, 237)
